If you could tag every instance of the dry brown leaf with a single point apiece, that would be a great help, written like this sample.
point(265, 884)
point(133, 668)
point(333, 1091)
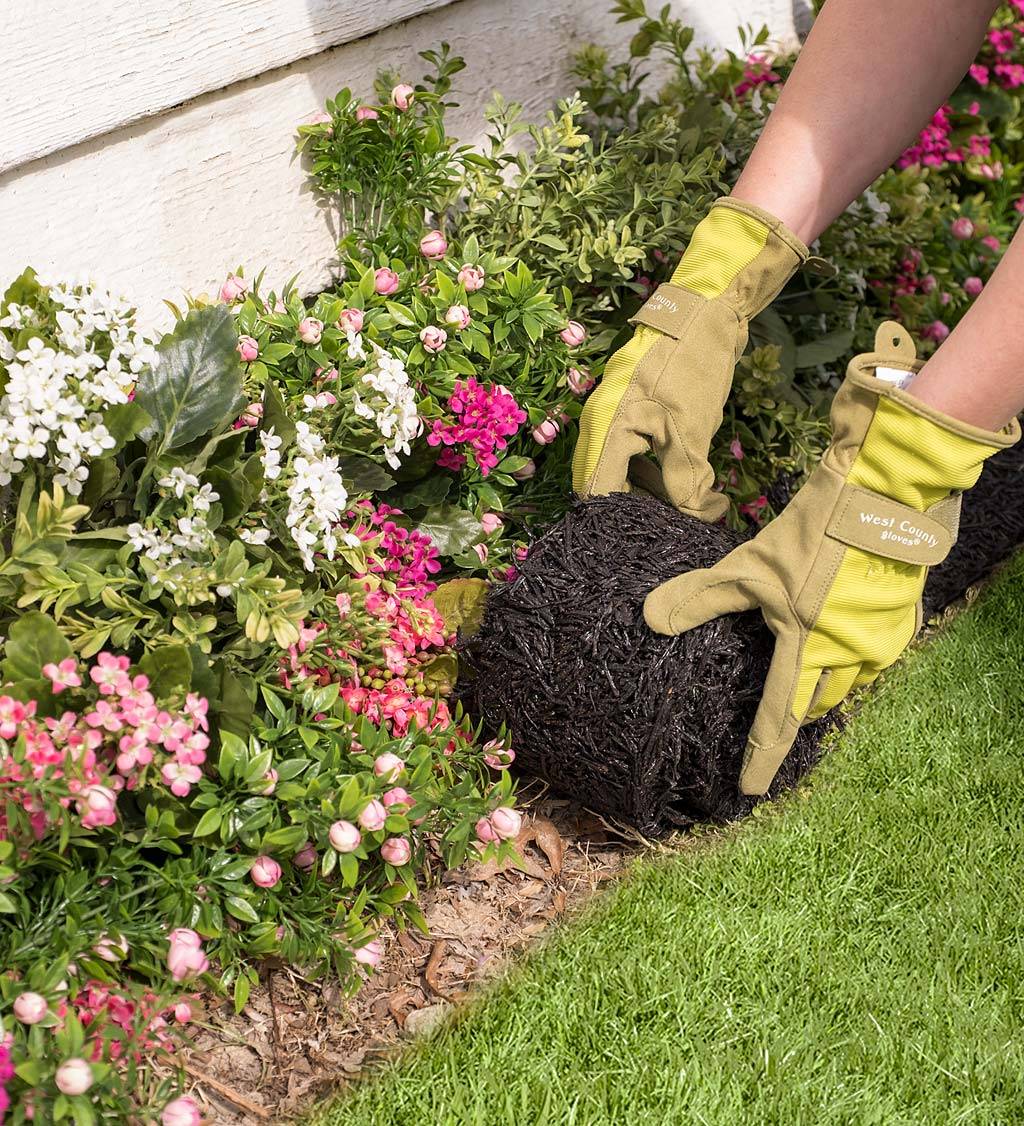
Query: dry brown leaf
point(433, 967)
point(549, 841)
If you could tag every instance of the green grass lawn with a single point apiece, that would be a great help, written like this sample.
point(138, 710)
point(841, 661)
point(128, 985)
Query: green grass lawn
point(855, 956)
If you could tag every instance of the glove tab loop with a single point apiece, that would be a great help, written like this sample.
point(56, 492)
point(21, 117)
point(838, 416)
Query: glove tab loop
point(882, 526)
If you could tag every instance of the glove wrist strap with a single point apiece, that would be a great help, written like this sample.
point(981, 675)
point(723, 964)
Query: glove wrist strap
point(884, 527)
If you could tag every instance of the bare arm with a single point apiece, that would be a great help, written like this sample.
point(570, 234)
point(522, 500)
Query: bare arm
point(870, 75)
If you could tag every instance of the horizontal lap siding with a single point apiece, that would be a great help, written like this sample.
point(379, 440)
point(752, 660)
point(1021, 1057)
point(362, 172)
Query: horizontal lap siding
point(174, 201)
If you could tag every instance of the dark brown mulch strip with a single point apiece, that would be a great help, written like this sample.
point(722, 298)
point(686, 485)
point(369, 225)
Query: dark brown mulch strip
point(647, 729)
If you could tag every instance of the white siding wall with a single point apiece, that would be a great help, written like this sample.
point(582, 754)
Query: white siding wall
point(152, 142)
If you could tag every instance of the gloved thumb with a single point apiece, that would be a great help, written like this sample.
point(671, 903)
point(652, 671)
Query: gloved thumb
point(697, 597)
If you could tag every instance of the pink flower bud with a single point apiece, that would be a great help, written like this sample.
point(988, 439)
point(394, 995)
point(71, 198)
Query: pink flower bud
point(320, 118)
point(928, 283)
point(433, 338)
point(305, 858)
point(265, 871)
point(373, 816)
point(471, 278)
point(992, 171)
point(506, 822)
point(310, 330)
point(580, 380)
point(344, 836)
point(270, 783)
point(525, 472)
point(433, 245)
point(401, 96)
point(182, 1012)
point(482, 551)
point(98, 806)
point(372, 954)
point(937, 331)
point(973, 286)
point(182, 1111)
point(233, 289)
point(546, 432)
point(344, 604)
point(458, 316)
point(396, 851)
point(573, 334)
point(30, 1008)
point(497, 755)
point(251, 415)
point(111, 949)
point(351, 320)
point(185, 955)
point(248, 349)
point(485, 831)
point(388, 766)
point(397, 796)
point(385, 281)
point(991, 242)
point(74, 1077)
point(490, 522)
point(366, 113)
point(961, 228)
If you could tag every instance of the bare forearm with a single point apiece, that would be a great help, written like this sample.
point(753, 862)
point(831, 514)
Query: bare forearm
point(868, 78)
point(977, 374)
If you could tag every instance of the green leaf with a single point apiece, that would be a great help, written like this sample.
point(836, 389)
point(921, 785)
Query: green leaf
point(242, 988)
point(452, 529)
point(461, 603)
point(208, 823)
point(423, 494)
point(553, 242)
point(124, 421)
point(195, 388)
point(364, 474)
point(825, 350)
point(275, 416)
point(234, 709)
point(169, 669)
point(34, 640)
point(241, 909)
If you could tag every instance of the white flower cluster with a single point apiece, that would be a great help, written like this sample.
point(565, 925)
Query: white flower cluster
point(317, 497)
point(391, 406)
point(185, 541)
point(55, 397)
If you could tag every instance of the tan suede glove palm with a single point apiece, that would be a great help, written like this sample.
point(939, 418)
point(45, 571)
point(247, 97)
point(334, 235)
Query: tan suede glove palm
point(664, 391)
point(839, 574)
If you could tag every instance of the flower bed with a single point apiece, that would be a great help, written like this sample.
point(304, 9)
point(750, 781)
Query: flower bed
point(234, 558)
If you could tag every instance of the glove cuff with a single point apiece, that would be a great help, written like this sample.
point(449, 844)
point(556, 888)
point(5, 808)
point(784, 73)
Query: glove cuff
point(740, 253)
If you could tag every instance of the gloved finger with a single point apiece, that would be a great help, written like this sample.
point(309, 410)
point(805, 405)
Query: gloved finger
point(838, 685)
point(697, 597)
point(775, 727)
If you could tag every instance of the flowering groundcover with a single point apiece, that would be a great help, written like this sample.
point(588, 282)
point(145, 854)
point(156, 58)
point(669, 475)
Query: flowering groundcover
point(234, 557)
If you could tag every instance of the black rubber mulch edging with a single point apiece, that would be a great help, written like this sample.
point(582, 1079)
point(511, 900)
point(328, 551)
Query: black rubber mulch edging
point(649, 729)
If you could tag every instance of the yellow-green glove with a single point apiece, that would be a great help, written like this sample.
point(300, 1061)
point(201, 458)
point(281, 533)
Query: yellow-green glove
point(838, 575)
point(665, 389)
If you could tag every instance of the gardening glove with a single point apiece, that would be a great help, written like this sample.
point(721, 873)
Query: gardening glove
point(839, 575)
point(665, 389)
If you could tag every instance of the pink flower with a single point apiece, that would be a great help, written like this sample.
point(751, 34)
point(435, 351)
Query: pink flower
point(310, 330)
point(1010, 75)
point(250, 416)
point(991, 242)
point(482, 551)
point(401, 96)
point(546, 432)
point(580, 380)
point(573, 334)
point(434, 338)
point(185, 956)
point(371, 954)
point(433, 245)
point(182, 1111)
point(234, 288)
point(736, 449)
point(305, 858)
point(490, 522)
point(506, 822)
point(74, 1077)
point(385, 281)
point(396, 851)
point(265, 871)
point(109, 674)
point(979, 73)
point(97, 806)
point(973, 286)
point(111, 949)
point(320, 118)
point(344, 604)
point(397, 796)
point(344, 836)
point(1002, 39)
point(485, 831)
point(937, 331)
point(248, 349)
point(366, 113)
point(961, 228)
point(458, 316)
point(180, 777)
point(373, 816)
point(388, 766)
point(64, 675)
point(991, 171)
point(351, 320)
point(497, 755)
point(525, 472)
point(182, 1012)
point(471, 278)
point(1018, 204)
point(30, 1008)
